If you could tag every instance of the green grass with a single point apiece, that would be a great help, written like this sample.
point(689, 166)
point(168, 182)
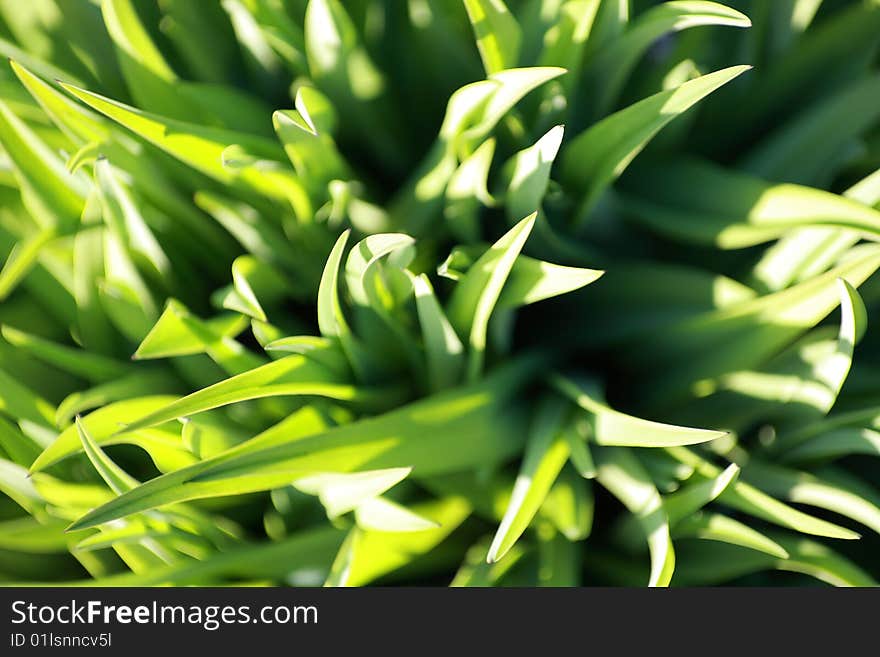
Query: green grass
point(480, 293)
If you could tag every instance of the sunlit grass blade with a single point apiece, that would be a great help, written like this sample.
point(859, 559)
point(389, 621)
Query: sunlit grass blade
point(137, 384)
point(115, 477)
point(467, 192)
point(104, 426)
point(717, 527)
point(21, 259)
point(195, 145)
point(477, 293)
point(754, 330)
point(292, 375)
point(612, 65)
point(497, 31)
point(596, 157)
point(529, 173)
point(443, 349)
point(748, 499)
point(379, 553)
point(365, 255)
point(835, 444)
point(702, 203)
point(722, 562)
point(481, 428)
point(149, 77)
point(546, 453)
point(803, 488)
point(610, 427)
point(341, 493)
point(379, 514)
point(692, 498)
point(53, 196)
point(624, 477)
point(800, 384)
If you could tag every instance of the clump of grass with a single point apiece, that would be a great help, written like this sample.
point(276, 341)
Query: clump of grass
point(535, 292)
